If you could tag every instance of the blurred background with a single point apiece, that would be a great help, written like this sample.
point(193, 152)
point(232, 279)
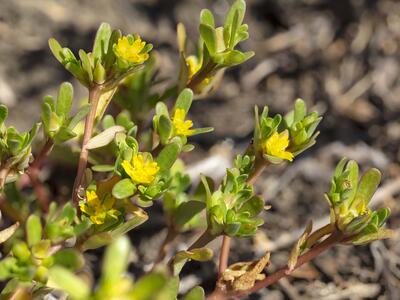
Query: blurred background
point(342, 57)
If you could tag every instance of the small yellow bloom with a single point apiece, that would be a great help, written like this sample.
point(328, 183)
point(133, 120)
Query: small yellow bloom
point(96, 209)
point(181, 126)
point(276, 145)
point(141, 170)
point(131, 52)
point(193, 65)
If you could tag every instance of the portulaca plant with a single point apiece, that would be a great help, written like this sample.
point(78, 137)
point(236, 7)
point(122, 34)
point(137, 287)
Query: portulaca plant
point(126, 163)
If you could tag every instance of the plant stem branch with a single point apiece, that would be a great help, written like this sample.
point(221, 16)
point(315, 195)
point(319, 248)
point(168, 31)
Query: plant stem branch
point(94, 97)
point(259, 167)
point(44, 152)
point(200, 76)
point(33, 173)
point(224, 254)
point(334, 238)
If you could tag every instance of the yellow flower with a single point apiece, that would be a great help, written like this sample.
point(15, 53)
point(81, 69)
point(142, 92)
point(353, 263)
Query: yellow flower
point(276, 145)
point(193, 65)
point(96, 209)
point(181, 126)
point(131, 52)
point(141, 170)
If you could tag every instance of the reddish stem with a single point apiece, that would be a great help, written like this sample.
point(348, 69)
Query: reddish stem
point(199, 77)
point(33, 173)
point(44, 152)
point(224, 254)
point(94, 97)
point(333, 239)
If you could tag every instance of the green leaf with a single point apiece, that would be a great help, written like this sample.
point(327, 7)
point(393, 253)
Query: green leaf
point(381, 234)
point(197, 293)
point(239, 8)
point(99, 73)
point(3, 113)
point(366, 188)
point(199, 254)
point(108, 121)
point(110, 56)
point(352, 168)
point(101, 42)
point(209, 36)
point(206, 17)
point(56, 49)
point(103, 168)
point(357, 224)
point(68, 213)
point(50, 101)
point(232, 57)
point(97, 241)
point(382, 213)
point(64, 100)
point(184, 100)
point(46, 115)
point(233, 29)
point(33, 230)
point(86, 65)
point(115, 261)
point(197, 131)
point(340, 167)
point(69, 258)
point(104, 138)
point(148, 286)
point(253, 206)
point(65, 280)
point(64, 134)
point(75, 69)
point(186, 211)
point(164, 128)
point(168, 156)
point(300, 110)
point(79, 116)
point(124, 189)
point(161, 109)
point(170, 290)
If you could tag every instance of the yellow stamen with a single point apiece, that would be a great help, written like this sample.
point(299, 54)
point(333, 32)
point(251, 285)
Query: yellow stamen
point(141, 170)
point(131, 51)
point(181, 126)
point(96, 209)
point(276, 145)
